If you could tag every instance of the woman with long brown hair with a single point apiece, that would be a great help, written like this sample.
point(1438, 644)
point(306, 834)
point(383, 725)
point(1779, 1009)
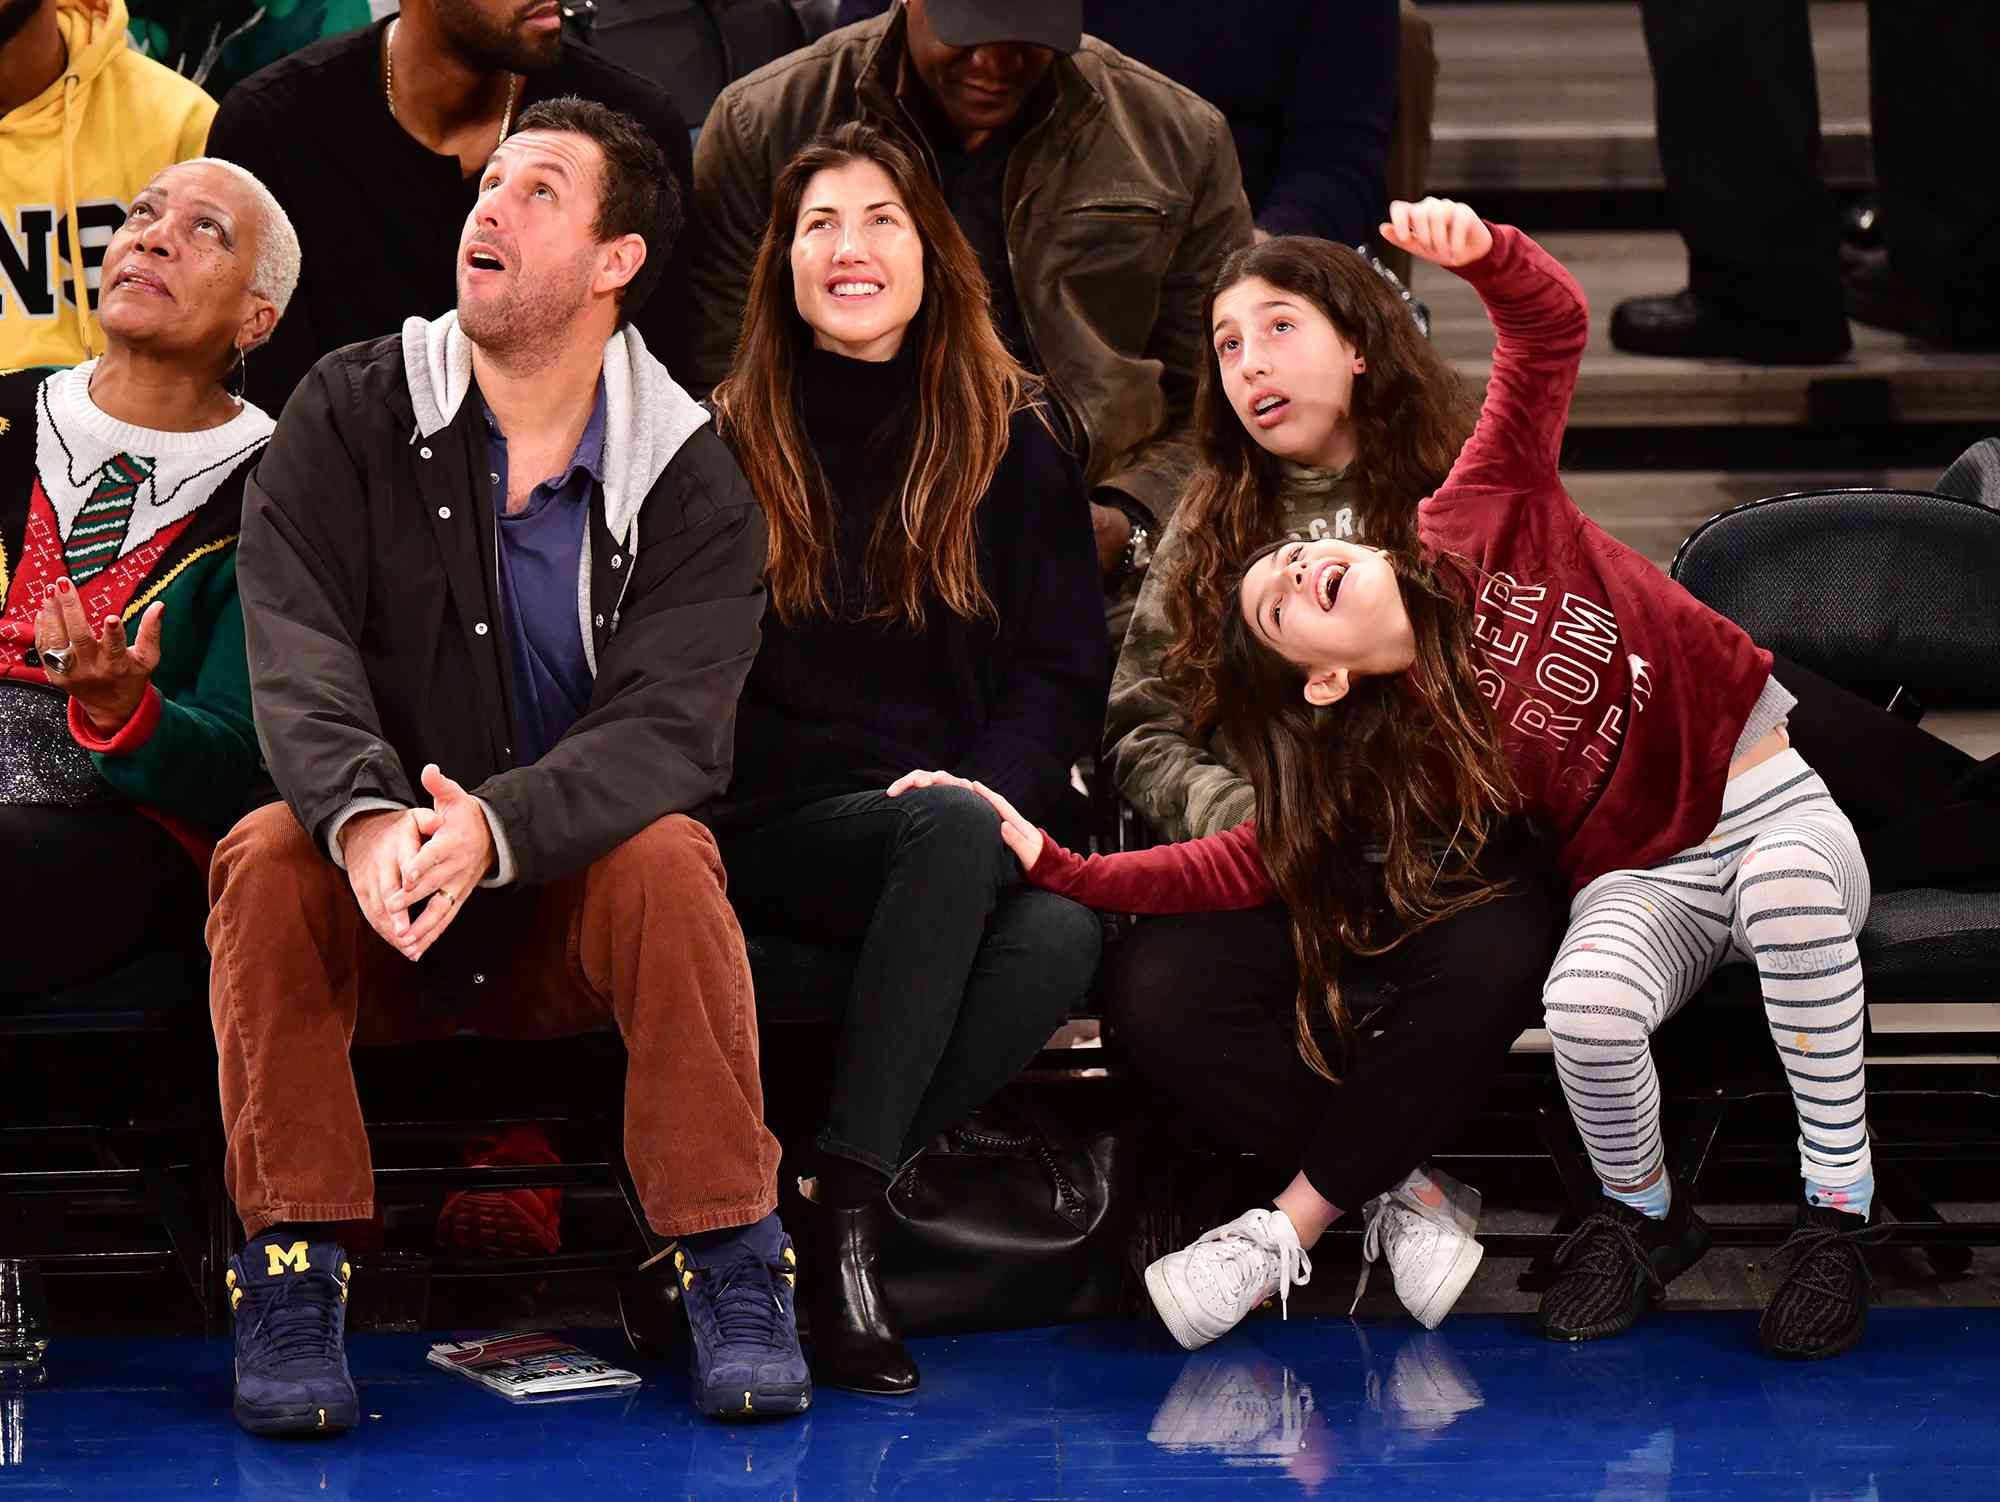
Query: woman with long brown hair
point(1369, 417)
point(933, 603)
point(1331, 443)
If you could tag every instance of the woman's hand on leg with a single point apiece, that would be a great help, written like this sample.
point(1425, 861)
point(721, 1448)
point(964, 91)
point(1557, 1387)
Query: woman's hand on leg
point(1017, 832)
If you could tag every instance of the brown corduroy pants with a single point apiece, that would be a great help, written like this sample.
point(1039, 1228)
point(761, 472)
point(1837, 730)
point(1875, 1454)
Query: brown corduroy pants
point(643, 937)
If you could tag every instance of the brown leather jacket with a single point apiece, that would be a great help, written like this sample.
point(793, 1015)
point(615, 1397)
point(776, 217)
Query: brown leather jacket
point(1121, 202)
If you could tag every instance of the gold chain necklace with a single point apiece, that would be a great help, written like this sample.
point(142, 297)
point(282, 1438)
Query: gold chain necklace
point(389, 80)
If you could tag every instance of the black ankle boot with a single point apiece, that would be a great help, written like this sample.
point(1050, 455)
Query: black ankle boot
point(854, 1345)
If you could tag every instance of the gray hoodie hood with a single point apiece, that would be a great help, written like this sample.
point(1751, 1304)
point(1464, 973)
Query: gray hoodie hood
point(647, 418)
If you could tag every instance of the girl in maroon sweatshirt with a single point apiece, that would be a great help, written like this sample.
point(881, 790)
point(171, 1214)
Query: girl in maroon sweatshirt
point(1523, 659)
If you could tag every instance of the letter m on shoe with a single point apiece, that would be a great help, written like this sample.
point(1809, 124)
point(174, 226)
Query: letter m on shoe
point(291, 1258)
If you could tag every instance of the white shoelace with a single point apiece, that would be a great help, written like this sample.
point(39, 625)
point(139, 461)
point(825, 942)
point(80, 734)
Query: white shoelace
point(1294, 1266)
point(1372, 1249)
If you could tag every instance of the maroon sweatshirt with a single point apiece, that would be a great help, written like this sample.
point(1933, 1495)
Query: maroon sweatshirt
point(1620, 697)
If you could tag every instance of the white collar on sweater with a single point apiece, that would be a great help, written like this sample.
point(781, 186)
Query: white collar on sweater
point(74, 439)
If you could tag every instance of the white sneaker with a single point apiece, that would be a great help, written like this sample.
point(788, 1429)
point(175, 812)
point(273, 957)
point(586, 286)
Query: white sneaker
point(1428, 1242)
point(1203, 1291)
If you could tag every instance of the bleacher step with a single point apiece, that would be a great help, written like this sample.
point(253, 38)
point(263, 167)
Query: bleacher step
point(1887, 373)
point(1536, 97)
point(1934, 1016)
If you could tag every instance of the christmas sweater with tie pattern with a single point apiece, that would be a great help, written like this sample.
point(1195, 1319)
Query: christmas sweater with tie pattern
point(131, 515)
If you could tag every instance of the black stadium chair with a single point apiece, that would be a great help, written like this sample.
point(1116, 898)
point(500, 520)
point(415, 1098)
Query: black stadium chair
point(1878, 590)
point(1894, 595)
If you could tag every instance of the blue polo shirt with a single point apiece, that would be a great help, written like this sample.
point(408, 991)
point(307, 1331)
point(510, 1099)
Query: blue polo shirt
point(541, 552)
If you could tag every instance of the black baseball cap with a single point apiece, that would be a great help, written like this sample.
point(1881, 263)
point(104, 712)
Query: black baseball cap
point(1054, 24)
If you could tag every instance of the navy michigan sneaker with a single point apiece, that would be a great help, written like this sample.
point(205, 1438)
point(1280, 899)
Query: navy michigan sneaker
point(740, 1294)
point(289, 1301)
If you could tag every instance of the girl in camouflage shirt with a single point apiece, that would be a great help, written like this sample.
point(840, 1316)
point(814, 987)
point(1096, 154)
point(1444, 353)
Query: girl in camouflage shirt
point(1323, 412)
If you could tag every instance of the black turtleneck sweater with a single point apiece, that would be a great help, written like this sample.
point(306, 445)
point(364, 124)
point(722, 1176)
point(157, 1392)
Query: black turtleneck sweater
point(837, 704)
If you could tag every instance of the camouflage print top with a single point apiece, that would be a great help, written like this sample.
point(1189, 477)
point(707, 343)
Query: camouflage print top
point(1187, 788)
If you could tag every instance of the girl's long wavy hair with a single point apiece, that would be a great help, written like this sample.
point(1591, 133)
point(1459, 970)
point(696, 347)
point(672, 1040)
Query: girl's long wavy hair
point(968, 387)
point(1408, 766)
point(1409, 412)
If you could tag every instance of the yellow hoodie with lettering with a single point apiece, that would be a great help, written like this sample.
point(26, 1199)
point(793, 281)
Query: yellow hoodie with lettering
point(70, 160)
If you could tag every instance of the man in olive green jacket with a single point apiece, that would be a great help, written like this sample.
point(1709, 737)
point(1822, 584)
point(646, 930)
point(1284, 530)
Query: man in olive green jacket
point(1100, 195)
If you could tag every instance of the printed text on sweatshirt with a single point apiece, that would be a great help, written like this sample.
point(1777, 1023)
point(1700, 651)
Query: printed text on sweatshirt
point(1620, 696)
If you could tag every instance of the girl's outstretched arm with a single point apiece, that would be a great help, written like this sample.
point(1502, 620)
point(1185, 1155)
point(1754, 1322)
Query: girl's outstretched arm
point(1221, 873)
point(1543, 323)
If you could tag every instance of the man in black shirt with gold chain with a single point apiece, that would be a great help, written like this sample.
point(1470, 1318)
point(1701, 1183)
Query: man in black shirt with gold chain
point(373, 141)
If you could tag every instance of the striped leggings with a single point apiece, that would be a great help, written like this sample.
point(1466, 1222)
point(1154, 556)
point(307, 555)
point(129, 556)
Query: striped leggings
point(1780, 884)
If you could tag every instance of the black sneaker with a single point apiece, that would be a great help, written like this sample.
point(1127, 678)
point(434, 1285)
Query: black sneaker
point(289, 1299)
point(1820, 1307)
point(1616, 1265)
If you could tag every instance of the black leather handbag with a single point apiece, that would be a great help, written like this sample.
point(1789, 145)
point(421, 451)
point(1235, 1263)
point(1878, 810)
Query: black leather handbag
point(1004, 1225)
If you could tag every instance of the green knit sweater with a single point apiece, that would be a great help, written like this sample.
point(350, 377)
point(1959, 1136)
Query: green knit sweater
point(190, 751)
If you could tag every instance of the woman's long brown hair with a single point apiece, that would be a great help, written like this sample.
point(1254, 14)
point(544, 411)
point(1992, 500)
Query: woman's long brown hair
point(1373, 812)
point(968, 388)
point(1410, 416)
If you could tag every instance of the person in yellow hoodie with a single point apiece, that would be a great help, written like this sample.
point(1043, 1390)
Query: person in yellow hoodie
point(85, 122)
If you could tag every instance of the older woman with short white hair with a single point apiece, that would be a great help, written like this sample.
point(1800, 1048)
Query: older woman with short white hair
point(126, 741)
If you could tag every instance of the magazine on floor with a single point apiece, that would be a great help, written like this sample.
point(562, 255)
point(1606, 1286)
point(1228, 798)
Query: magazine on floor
point(531, 1366)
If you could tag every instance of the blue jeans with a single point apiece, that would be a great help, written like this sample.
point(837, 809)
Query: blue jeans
point(960, 972)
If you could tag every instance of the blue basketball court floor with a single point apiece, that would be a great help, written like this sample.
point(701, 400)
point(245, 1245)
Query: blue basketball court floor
point(1683, 1408)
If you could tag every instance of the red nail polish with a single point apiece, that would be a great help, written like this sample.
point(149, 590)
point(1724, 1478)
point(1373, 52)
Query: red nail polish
point(63, 585)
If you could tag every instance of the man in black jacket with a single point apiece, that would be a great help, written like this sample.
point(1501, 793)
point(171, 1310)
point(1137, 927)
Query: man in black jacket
point(1310, 88)
point(555, 662)
point(373, 141)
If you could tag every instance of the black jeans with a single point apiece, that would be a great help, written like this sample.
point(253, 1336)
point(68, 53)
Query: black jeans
point(85, 891)
point(960, 972)
point(1203, 1007)
point(1737, 101)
